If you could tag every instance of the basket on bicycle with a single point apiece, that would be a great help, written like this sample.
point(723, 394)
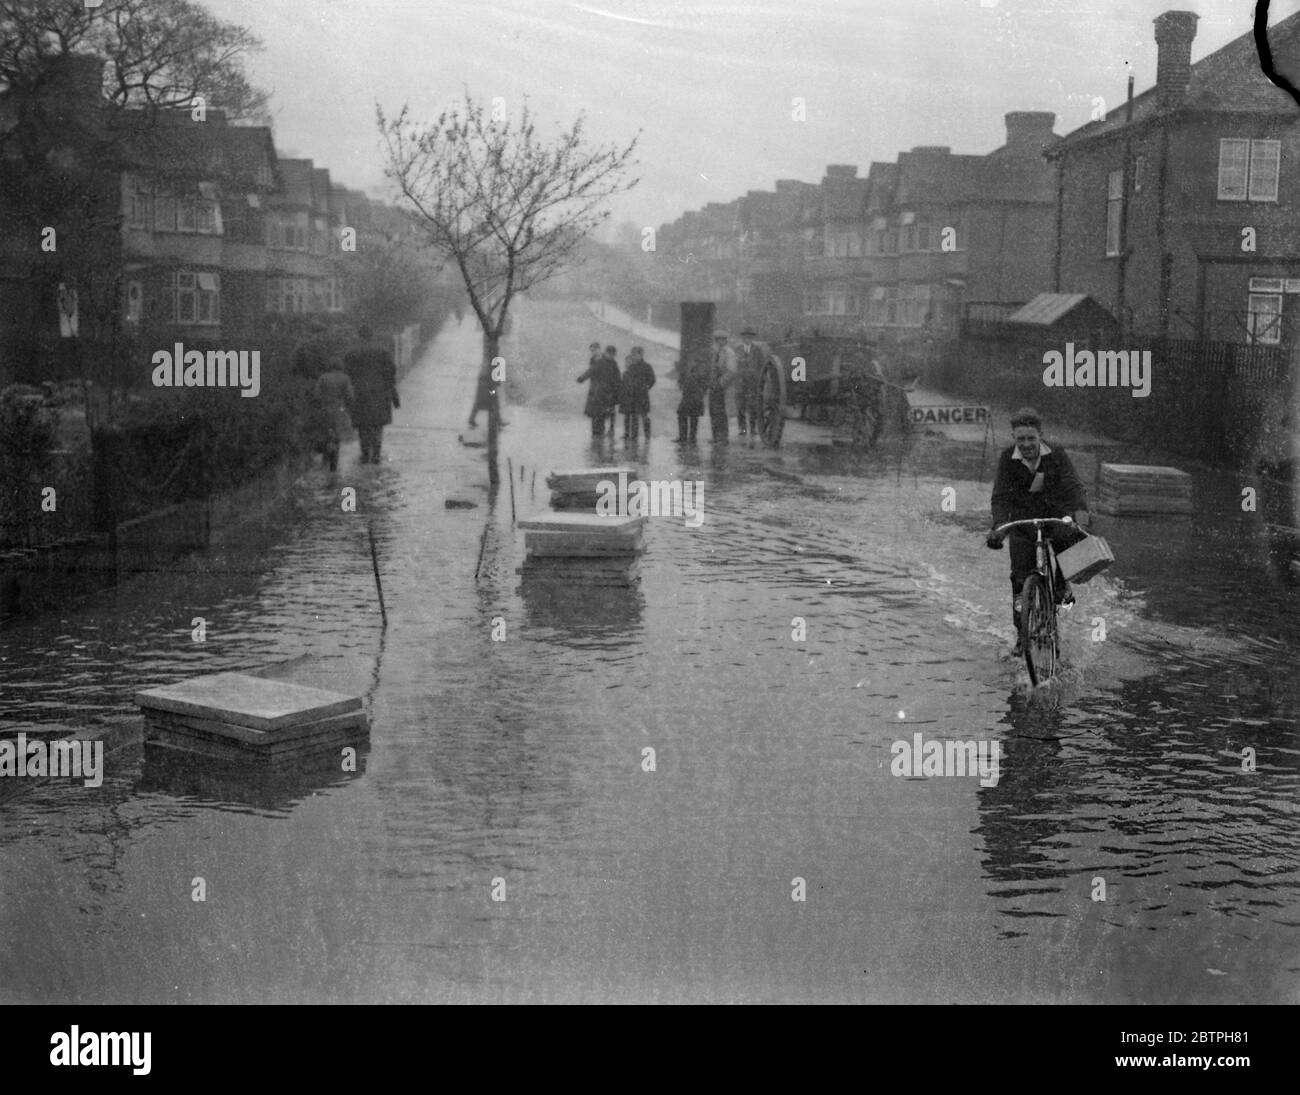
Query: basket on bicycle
point(1085, 560)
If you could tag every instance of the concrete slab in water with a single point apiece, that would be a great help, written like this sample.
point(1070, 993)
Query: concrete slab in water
point(561, 474)
point(582, 522)
point(248, 701)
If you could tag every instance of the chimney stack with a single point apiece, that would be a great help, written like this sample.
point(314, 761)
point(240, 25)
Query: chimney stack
point(1174, 33)
point(1030, 130)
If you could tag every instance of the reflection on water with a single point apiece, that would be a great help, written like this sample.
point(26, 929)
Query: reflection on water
point(248, 786)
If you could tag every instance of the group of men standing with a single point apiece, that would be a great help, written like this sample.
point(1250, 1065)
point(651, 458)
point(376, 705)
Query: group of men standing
point(731, 379)
point(734, 375)
point(611, 391)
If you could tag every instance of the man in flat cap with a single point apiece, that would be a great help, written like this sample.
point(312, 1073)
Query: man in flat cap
point(722, 376)
point(750, 359)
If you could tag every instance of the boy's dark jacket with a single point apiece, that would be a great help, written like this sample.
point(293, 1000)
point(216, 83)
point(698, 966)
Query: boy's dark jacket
point(1061, 495)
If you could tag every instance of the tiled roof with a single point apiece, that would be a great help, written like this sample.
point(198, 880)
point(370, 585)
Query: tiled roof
point(1018, 174)
point(1229, 79)
point(173, 144)
point(296, 176)
point(937, 178)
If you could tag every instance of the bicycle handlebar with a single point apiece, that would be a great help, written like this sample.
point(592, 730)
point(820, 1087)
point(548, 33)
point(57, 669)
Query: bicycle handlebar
point(1001, 530)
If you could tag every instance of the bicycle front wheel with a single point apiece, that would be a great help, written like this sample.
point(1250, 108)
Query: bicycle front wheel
point(1038, 629)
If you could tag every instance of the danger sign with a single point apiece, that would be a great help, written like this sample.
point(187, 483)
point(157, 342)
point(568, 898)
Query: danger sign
point(948, 416)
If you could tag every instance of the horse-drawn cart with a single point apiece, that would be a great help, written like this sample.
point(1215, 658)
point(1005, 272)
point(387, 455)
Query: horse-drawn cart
point(822, 380)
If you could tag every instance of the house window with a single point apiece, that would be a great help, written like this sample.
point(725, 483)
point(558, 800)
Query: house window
point(288, 295)
point(208, 218)
point(1248, 170)
point(1139, 167)
point(1114, 210)
point(134, 301)
point(285, 235)
point(196, 297)
point(137, 203)
point(913, 305)
point(164, 211)
point(1264, 318)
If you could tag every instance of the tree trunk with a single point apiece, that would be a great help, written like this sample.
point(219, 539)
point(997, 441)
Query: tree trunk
point(491, 343)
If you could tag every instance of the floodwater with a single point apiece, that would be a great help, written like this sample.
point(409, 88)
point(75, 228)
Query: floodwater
point(1126, 852)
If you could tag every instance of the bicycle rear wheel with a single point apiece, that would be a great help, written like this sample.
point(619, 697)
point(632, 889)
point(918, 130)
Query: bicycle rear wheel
point(1038, 629)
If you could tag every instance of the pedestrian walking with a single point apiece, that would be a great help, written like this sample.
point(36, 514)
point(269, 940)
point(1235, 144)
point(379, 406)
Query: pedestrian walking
point(484, 393)
point(750, 359)
point(1035, 480)
point(334, 397)
point(373, 373)
point(722, 378)
point(602, 393)
point(312, 357)
point(693, 382)
point(634, 396)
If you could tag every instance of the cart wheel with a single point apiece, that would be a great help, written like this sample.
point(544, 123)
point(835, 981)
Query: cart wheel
point(771, 392)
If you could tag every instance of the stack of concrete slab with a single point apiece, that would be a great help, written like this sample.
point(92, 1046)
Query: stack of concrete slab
point(1139, 490)
point(579, 488)
point(233, 716)
point(584, 547)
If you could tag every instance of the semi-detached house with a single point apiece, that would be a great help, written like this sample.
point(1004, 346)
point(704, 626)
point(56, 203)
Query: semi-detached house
point(1180, 212)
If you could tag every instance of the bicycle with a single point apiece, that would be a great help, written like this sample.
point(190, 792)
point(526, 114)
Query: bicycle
point(1039, 632)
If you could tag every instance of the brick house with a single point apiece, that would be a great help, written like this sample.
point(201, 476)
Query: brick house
point(194, 257)
point(1178, 211)
point(950, 231)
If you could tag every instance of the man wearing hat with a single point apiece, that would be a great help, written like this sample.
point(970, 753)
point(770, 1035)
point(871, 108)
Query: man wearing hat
point(721, 377)
point(750, 358)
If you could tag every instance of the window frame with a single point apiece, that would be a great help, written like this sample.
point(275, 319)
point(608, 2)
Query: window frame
point(1254, 165)
point(1272, 335)
point(1114, 212)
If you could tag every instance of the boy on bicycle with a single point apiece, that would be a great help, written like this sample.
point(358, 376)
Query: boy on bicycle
point(1035, 480)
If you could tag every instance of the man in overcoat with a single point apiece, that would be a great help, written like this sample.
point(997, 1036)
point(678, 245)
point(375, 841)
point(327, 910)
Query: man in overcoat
point(750, 359)
point(634, 397)
point(373, 373)
point(722, 377)
point(602, 394)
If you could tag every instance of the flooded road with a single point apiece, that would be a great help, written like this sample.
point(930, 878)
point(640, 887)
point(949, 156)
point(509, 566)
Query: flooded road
point(517, 766)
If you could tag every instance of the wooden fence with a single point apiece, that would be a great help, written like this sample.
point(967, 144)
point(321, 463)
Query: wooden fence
point(1208, 400)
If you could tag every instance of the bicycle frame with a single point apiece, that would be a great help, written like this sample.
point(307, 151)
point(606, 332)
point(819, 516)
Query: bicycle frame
point(1045, 569)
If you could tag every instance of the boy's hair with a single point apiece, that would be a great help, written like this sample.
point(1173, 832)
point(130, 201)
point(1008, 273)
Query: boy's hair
point(611, 350)
point(1027, 416)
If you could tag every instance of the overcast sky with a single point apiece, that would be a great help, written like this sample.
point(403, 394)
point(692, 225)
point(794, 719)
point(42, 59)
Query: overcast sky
point(710, 86)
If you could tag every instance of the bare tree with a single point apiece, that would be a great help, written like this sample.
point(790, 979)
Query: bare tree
point(159, 53)
point(80, 88)
point(507, 207)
